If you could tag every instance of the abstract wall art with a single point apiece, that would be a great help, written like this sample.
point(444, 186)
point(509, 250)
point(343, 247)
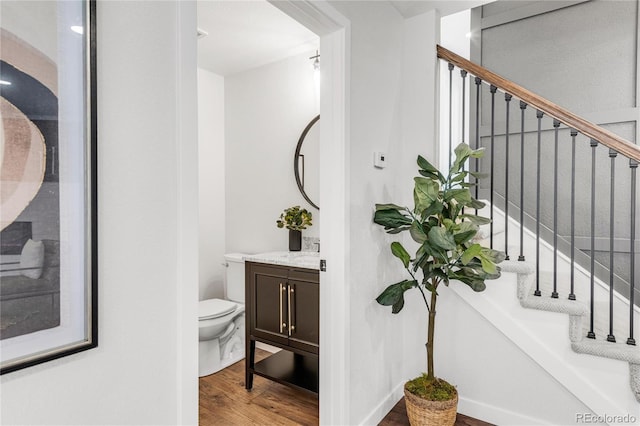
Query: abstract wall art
point(48, 185)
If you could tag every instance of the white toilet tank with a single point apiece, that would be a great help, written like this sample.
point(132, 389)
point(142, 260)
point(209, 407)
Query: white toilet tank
point(234, 278)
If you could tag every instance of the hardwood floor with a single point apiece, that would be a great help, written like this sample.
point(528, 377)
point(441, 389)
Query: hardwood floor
point(225, 401)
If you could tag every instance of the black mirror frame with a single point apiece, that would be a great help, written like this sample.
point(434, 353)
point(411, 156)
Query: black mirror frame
point(296, 168)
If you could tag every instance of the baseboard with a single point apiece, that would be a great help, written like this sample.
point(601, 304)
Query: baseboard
point(468, 407)
point(378, 413)
point(496, 415)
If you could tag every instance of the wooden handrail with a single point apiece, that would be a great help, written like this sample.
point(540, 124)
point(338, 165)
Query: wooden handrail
point(566, 117)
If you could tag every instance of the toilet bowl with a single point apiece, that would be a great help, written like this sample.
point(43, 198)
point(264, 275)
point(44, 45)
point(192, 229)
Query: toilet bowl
point(221, 322)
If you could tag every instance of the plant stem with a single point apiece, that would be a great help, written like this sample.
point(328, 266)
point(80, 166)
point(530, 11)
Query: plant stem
point(431, 328)
point(425, 298)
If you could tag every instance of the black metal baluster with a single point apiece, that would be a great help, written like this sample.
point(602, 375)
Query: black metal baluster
point(463, 74)
point(492, 89)
point(554, 294)
point(507, 99)
point(539, 115)
point(612, 155)
point(632, 251)
point(574, 133)
point(523, 106)
point(450, 112)
point(594, 145)
point(478, 82)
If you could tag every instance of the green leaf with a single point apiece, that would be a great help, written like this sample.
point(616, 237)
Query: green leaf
point(389, 206)
point(476, 204)
point(476, 220)
point(493, 255)
point(431, 250)
point(432, 175)
point(462, 152)
point(470, 253)
point(394, 295)
point(448, 224)
point(397, 230)
point(426, 165)
point(477, 153)
point(459, 177)
point(467, 231)
point(429, 170)
point(461, 195)
point(488, 266)
point(477, 284)
point(417, 233)
point(425, 192)
point(399, 252)
point(489, 258)
point(442, 238)
point(391, 218)
point(434, 209)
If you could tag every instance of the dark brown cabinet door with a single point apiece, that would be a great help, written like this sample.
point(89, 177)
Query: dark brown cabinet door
point(305, 315)
point(269, 304)
point(283, 310)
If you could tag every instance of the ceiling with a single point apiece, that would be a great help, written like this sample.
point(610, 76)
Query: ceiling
point(248, 34)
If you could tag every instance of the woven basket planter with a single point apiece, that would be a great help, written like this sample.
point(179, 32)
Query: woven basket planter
point(423, 412)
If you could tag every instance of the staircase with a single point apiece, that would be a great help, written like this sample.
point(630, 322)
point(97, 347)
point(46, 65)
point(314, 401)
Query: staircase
point(567, 289)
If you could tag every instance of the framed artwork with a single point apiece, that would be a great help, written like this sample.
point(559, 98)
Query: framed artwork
point(48, 185)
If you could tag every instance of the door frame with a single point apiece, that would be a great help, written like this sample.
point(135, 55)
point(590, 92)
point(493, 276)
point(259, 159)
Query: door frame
point(334, 32)
point(333, 28)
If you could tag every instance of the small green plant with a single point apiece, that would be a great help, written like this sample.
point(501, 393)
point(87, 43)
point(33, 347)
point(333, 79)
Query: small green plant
point(442, 224)
point(295, 218)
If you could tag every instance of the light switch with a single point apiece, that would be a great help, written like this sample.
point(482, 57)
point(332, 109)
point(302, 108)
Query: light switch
point(379, 160)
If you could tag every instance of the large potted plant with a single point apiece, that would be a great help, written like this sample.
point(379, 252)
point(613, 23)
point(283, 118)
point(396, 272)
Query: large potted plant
point(443, 226)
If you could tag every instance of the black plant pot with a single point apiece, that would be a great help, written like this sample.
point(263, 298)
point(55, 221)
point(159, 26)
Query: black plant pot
point(295, 240)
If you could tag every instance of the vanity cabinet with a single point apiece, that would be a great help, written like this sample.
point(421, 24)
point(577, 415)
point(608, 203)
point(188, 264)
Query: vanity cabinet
point(283, 311)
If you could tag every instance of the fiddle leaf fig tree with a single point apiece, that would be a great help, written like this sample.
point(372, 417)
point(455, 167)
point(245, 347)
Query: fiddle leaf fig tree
point(442, 225)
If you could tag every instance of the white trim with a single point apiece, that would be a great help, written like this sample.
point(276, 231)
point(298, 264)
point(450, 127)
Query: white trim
point(317, 15)
point(385, 406)
point(497, 415)
point(320, 17)
point(186, 279)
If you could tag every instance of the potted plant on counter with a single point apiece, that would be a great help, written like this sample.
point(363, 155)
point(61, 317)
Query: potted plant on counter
point(295, 220)
point(442, 225)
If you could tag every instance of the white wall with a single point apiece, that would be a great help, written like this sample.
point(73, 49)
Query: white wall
point(497, 381)
point(381, 355)
point(266, 110)
point(211, 157)
point(144, 370)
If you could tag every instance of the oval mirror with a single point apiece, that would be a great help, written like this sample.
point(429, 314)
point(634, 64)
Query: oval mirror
point(306, 163)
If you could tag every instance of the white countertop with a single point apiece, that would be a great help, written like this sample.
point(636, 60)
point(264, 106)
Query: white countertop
point(300, 259)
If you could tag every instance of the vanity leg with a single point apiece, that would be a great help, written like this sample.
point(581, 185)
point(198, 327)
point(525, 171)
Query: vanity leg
point(250, 363)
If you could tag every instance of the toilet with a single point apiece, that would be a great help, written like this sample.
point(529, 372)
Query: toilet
point(221, 322)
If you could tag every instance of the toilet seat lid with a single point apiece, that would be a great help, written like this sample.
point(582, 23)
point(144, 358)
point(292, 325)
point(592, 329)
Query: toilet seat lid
point(215, 308)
